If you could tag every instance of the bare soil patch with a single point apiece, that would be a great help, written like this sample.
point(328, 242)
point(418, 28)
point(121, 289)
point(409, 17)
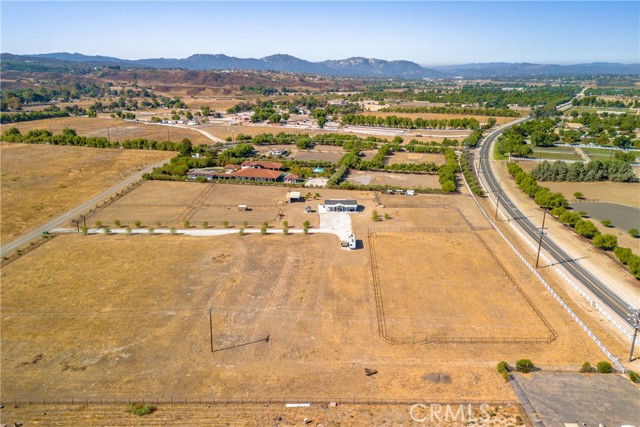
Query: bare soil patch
point(40, 182)
point(414, 158)
point(114, 129)
point(395, 179)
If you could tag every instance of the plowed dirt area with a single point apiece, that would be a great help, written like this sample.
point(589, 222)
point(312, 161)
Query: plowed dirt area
point(40, 182)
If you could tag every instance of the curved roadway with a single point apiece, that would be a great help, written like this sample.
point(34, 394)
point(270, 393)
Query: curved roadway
point(597, 288)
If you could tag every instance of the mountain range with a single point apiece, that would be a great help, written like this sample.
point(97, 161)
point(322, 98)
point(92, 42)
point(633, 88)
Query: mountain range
point(356, 66)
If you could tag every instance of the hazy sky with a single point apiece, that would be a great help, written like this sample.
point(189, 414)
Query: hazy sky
point(426, 32)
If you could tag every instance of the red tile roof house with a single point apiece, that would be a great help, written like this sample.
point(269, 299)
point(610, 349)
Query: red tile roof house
point(262, 165)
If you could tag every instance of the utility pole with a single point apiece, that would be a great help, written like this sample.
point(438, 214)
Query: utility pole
point(635, 318)
point(498, 200)
point(211, 330)
point(544, 216)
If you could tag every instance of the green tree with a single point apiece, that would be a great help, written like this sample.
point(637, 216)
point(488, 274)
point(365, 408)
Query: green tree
point(604, 367)
point(225, 224)
point(116, 223)
point(137, 223)
point(185, 223)
point(305, 227)
point(205, 224)
point(264, 227)
point(185, 148)
point(524, 365)
point(586, 228)
point(586, 368)
point(605, 241)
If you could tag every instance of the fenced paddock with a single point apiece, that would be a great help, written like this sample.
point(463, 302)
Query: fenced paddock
point(447, 294)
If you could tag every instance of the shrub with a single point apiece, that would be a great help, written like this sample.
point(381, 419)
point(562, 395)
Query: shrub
point(387, 216)
point(305, 227)
point(185, 223)
point(604, 367)
point(107, 230)
point(137, 223)
point(634, 232)
point(245, 224)
point(241, 231)
point(606, 223)
point(84, 230)
point(375, 216)
point(205, 224)
point(524, 365)
point(264, 227)
point(586, 229)
point(98, 224)
point(173, 230)
point(225, 224)
point(285, 228)
point(605, 241)
point(140, 409)
point(151, 230)
point(586, 368)
point(116, 223)
point(634, 377)
point(578, 195)
point(503, 369)
point(129, 230)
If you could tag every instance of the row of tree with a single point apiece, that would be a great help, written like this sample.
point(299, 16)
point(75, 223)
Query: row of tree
point(473, 111)
point(408, 123)
point(594, 101)
point(596, 170)
point(585, 228)
point(31, 115)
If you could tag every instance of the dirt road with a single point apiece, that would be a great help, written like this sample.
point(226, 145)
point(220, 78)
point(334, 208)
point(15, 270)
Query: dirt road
point(67, 216)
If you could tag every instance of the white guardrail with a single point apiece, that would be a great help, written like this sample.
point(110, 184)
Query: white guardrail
point(553, 293)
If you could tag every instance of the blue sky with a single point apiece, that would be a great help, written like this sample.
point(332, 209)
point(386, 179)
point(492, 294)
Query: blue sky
point(426, 32)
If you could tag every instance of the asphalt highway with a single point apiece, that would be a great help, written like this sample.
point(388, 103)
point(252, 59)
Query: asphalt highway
point(575, 269)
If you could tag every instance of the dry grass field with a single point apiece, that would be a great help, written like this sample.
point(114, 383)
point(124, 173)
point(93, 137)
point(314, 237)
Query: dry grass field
point(475, 280)
point(167, 204)
point(330, 153)
point(395, 179)
point(128, 316)
point(243, 415)
point(40, 182)
point(115, 129)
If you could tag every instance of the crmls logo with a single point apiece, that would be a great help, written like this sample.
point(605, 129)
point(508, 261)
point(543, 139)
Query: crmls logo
point(435, 412)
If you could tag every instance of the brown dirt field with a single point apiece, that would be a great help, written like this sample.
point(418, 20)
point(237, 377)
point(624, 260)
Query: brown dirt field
point(40, 182)
point(242, 415)
point(82, 317)
point(216, 104)
point(117, 130)
point(440, 116)
point(414, 158)
point(397, 179)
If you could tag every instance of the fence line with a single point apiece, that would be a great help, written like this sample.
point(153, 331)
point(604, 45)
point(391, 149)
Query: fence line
point(553, 293)
point(257, 401)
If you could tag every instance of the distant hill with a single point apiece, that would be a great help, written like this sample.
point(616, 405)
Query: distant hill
point(356, 66)
point(494, 69)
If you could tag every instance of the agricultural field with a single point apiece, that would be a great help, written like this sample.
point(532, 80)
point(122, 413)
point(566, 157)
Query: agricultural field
point(114, 129)
point(162, 316)
point(40, 182)
point(405, 180)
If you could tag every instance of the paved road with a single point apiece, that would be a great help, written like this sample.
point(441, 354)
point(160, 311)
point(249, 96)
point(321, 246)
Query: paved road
point(581, 274)
point(67, 216)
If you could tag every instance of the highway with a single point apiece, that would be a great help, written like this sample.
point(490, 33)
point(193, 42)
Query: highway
point(577, 271)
